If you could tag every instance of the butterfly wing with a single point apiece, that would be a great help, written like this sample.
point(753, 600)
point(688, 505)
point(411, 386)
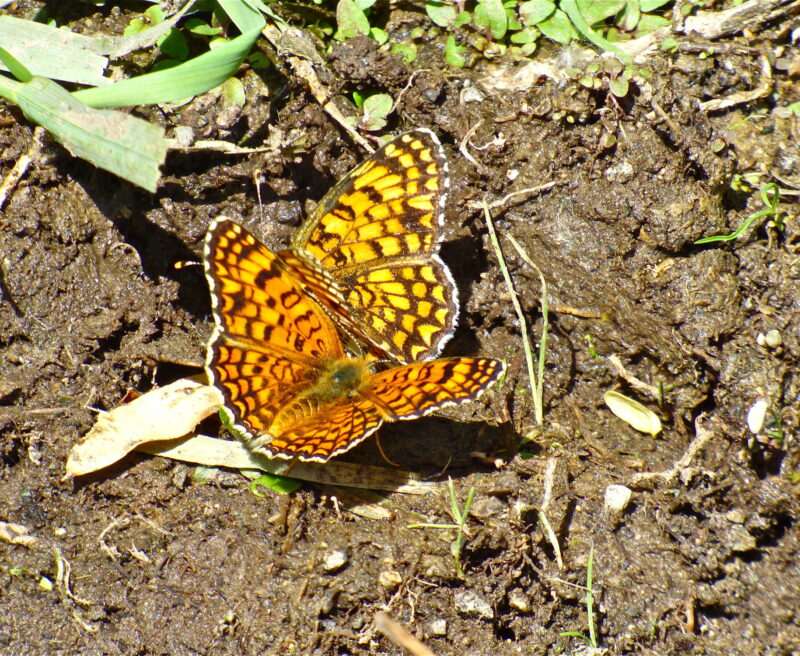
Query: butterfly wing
point(377, 233)
point(418, 389)
point(270, 339)
point(314, 429)
point(321, 431)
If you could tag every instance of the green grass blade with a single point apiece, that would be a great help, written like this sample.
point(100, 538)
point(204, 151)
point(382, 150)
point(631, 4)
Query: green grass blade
point(125, 145)
point(189, 79)
point(49, 52)
point(17, 68)
point(771, 202)
point(245, 15)
point(570, 7)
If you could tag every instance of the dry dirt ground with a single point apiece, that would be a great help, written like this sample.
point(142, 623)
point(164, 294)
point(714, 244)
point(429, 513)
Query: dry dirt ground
point(703, 561)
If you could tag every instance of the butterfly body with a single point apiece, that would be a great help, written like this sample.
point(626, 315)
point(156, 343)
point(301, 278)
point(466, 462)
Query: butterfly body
point(338, 379)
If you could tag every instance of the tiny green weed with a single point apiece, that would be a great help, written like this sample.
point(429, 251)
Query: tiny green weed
point(770, 195)
point(591, 639)
point(460, 516)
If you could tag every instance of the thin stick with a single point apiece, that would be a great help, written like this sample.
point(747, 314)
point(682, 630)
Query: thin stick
point(539, 391)
point(523, 325)
point(463, 148)
point(529, 191)
point(21, 167)
point(702, 436)
point(305, 69)
point(651, 390)
point(399, 636)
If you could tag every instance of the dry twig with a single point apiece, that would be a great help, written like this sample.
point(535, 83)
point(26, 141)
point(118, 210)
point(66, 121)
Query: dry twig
point(400, 636)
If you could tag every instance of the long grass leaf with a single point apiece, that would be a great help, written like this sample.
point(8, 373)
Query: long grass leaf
point(49, 52)
point(244, 15)
point(189, 79)
point(120, 143)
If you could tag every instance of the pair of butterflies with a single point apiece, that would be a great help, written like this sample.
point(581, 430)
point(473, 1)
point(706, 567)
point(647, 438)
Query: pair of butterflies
point(365, 264)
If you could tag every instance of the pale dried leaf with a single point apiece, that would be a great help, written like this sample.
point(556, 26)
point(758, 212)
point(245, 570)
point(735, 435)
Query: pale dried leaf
point(213, 452)
point(165, 413)
point(633, 413)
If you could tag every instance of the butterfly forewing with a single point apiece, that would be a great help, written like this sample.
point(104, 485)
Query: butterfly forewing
point(269, 338)
point(377, 233)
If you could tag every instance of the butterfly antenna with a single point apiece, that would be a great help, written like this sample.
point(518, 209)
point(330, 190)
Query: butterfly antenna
point(292, 463)
point(383, 454)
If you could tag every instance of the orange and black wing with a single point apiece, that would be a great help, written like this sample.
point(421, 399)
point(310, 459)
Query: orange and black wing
point(377, 233)
point(418, 389)
point(325, 429)
point(269, 338)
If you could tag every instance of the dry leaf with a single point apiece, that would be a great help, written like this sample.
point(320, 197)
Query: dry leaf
point(633, 413)
point(162, 414)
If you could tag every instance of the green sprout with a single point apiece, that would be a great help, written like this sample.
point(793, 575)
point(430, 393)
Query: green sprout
point(460, 516)
point(591, 640)
point(770, 195)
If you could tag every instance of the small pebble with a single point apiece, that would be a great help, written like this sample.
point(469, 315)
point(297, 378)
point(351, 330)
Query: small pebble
point(736, 516)
point(757, 414)
point(773, 338)
point(617, 499)
point(327, 603)
point(431, 94)
point(184, 135)
point(390, 579)
point(437, 627)
point(739, 540)
point(468, 603)
point(432, 565)
point(518, 600)
point(334, 561)
point(486, 507)
point(472, 94)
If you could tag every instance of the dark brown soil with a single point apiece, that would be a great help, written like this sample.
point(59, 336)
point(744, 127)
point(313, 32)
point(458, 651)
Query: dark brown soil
point(703, 562)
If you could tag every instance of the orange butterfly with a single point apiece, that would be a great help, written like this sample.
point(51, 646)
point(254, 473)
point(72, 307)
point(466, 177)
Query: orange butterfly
point(288, 385)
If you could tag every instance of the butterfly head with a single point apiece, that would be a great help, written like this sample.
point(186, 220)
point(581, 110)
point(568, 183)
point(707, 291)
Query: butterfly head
point(339, 379)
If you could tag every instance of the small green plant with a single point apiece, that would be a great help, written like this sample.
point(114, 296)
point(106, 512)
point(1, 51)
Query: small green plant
point(591, 347)
point(491, 28)
point(770, 195)
point(279, 484)
point(775, 432)
point(610, 74)
point(746, 183)
point(591, 639)
point(376, 107)
point(459, 516)
point(670, 45)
